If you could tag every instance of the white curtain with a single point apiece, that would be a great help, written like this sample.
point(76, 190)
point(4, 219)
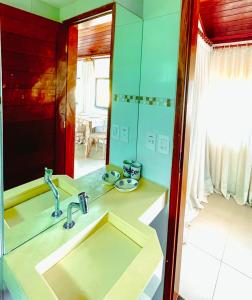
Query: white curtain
point(197, 110)
point(229, 124)
point(220, 100)
point(85, 91)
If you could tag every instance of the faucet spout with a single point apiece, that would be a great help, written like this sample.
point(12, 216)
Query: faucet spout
point(82, 206)
point(48, 180)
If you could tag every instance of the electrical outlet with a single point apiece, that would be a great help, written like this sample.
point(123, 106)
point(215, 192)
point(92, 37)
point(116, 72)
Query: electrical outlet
point(151, 141)
point(115, 131)
point(163, 144)
point(124, 134)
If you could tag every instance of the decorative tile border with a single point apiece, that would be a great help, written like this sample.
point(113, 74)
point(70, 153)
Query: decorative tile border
point(125, 98)
point(155, 101)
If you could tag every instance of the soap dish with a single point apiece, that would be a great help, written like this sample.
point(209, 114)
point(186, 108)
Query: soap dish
point(126, 185)
point(111, 177)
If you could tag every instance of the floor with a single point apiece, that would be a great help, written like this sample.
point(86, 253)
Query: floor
point(83, 166)
point(217, 254)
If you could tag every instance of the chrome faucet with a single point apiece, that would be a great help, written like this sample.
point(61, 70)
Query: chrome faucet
point(48, 179)
point(82, 206)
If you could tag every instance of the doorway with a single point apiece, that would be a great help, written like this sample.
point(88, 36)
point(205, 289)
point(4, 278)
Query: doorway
point(215, 231)
point(92, 94)
point(219, 182)
point(90, 39)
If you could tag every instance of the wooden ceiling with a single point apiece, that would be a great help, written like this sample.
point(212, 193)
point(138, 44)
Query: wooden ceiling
point(227, 21)
point(94, 40)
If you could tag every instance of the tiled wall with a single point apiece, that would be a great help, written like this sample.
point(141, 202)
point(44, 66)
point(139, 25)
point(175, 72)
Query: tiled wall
point(126, 81)
point(153, 85)
point(80, 6)
point(158, 79)
point(36, 7)
point(75, 8)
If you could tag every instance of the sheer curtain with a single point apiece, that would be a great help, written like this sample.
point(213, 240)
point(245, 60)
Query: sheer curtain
point(197, 98)
point(229, 124)
point(220, 100)
point(85, 90)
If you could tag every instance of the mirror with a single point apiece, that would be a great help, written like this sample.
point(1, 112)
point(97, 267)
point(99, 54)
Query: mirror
point(33, 73)
point(126, 86)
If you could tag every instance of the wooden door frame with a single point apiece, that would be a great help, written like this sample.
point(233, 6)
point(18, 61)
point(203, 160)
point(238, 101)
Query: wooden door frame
point(181, 144)
point(69, 122)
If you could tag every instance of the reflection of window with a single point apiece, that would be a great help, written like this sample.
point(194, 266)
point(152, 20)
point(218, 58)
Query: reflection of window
point(102, 92)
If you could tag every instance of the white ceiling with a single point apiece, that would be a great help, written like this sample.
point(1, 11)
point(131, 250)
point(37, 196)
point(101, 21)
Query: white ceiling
point(58, 3)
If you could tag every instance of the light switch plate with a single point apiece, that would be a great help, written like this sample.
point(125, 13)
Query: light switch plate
point(124, 134)
point(151, 141)
point(163, 144)
point(115, 132)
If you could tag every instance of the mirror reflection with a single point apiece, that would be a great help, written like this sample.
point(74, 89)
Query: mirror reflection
point(58, 108)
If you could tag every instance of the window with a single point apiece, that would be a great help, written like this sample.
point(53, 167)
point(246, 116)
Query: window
point(102, 93)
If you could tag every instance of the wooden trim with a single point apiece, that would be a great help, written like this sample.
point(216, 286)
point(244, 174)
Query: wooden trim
point(111, 80)
point(186, 67)
point(232, 38)
point(232, 45)
point(60, 151)
point(205, 38)
point(90, 14)
point(96, 56)
point(202, 25)
point(72, 57)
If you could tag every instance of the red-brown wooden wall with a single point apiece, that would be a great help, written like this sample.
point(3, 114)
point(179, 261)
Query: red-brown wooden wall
point(29, 63)
point(227, 21)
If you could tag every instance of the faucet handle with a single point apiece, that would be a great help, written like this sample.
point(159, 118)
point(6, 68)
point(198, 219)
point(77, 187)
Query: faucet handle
point(48, 172)
point(83, 199)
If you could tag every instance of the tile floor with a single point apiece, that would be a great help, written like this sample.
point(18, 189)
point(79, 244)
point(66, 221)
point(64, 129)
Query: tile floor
point(93, 162)
point(217, 255)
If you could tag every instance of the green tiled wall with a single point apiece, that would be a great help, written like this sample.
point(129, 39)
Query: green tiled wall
point(135, 6)
point(75, 8)
point(158, 79)
point(153, 9)
point(126, 80)
point(36, 7)
point(81, 6)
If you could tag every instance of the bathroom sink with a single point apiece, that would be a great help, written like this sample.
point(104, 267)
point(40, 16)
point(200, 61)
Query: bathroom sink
point(88, 266)
point(29, 200)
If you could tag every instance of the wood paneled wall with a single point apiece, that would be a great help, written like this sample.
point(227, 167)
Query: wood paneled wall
point(29, 94)
point(227, 21)
point(94, 40)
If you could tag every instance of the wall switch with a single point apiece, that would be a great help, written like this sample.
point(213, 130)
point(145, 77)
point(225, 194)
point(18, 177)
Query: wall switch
point(163, 144)
point(151, 141)
point(124, 134)
point(115, 131)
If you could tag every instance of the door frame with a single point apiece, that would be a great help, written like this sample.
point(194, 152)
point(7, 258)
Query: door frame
point(68, 50)
point(181, 144)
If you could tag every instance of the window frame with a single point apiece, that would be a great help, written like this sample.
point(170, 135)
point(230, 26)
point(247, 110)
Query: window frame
point(96, 105)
